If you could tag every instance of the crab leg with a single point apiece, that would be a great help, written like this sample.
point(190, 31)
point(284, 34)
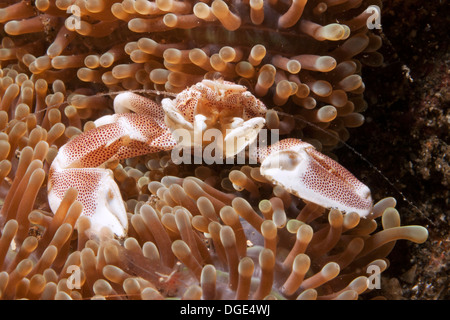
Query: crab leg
point(79, 162)
point(303, 171)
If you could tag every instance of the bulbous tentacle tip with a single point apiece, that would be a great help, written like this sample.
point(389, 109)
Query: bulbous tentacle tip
point(422, 234)
point(301, 170)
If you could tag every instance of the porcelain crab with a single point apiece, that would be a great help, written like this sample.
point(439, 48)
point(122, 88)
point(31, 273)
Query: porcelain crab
point(141, 126)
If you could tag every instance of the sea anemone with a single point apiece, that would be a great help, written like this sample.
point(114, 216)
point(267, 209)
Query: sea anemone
point(196, 232)
point(190, 240)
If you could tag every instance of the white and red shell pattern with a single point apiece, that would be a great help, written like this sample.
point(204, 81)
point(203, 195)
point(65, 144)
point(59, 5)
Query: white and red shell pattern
point(141, 126)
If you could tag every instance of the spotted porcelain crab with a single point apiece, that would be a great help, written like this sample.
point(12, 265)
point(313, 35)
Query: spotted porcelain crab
point(141, 126)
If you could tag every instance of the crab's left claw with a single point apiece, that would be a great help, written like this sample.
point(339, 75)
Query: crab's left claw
point(303, 171)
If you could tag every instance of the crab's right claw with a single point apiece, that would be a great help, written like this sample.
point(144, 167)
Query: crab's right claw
point(303, 171)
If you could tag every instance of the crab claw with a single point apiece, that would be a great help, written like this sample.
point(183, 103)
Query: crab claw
point(111, 211)
point(303, 171)
point(81, 164)
point(99, 194)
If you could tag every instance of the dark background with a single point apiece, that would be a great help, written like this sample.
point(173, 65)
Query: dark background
point(406, 136)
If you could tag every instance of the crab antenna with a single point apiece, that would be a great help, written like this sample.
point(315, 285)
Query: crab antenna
point(148, 91)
